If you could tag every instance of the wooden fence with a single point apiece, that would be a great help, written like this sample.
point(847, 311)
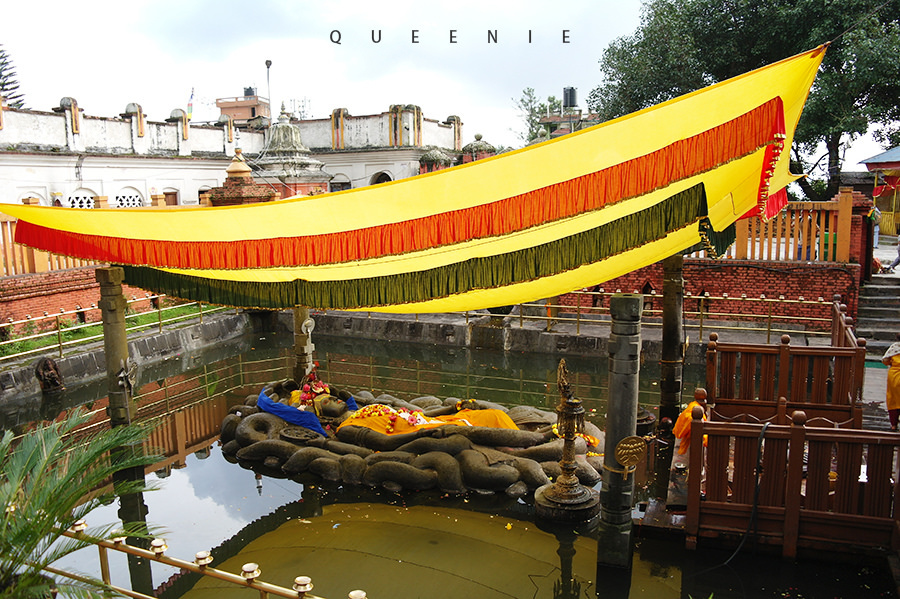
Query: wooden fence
point(794, 485)
point(785, 456)
point(803, 231)
point(766, 382)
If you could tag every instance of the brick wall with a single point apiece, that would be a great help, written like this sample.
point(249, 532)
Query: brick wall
point(26, 296)
point(792, 280)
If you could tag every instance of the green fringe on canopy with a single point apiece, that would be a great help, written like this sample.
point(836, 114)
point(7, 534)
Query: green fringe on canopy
point(714, 243)
point(588, 247)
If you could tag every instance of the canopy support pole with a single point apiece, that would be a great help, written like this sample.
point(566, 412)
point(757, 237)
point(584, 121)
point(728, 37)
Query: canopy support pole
point(303, 345)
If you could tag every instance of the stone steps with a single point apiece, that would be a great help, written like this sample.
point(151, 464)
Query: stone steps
point(878, 314)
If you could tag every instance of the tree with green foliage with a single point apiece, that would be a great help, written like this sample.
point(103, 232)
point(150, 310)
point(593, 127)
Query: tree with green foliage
point(50, 478)
point(683, 45)
point(532, 110)
point(9, 87)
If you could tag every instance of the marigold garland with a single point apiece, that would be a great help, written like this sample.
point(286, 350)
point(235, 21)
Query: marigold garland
point(392, 414)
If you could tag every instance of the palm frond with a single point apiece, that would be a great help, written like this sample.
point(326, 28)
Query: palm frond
point(51, 477)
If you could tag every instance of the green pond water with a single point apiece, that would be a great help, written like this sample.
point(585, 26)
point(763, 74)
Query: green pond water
point(427, 545)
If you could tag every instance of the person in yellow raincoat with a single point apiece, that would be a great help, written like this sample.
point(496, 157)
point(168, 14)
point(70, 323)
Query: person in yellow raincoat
point(891, 358)
point(682, 429)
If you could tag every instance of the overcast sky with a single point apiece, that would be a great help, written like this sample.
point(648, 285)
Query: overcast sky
point(106, 54)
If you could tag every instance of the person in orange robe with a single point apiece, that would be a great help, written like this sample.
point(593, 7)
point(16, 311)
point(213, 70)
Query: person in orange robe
point(682, 428)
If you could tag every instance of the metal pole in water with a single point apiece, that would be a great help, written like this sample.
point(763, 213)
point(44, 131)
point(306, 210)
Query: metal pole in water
point(623, 448)
point(671, 365)
point(303, 346)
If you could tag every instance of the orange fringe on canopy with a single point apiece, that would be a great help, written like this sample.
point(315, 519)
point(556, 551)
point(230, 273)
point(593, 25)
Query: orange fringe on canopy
point(762, 126)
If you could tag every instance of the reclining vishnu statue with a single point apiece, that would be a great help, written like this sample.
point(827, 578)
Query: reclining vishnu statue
point(453, 445)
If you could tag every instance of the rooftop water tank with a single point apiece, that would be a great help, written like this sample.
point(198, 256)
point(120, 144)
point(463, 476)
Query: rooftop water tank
point(569, 100)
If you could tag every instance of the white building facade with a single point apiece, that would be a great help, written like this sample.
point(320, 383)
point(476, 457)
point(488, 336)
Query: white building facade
point(69, 159)
point(370, 149)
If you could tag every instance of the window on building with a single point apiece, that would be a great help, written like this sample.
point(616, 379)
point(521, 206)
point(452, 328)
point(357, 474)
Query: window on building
point(129, 198)
point(338, 185)
point(78, 200)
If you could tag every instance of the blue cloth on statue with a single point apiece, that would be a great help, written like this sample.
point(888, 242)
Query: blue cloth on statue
point(351, 403)
point(290, 414)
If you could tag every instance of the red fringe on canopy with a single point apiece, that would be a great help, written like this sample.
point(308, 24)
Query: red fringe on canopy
point(769, 205)
point(762, 126)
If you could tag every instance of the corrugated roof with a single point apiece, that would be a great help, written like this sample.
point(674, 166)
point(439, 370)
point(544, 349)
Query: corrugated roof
point(892, 155)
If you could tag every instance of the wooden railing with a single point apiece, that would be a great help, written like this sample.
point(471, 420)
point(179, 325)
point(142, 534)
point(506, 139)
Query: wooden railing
point(842, 333)
point(803, 231)
point(785, 454)
point(756, 480)
point(808, 374)
point(825, 381)
point(769, 315)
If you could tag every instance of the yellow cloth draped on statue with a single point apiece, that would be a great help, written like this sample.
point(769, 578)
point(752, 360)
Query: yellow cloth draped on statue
point(392, 421)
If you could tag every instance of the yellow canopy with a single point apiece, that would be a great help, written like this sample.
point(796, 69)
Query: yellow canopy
point(528, 224)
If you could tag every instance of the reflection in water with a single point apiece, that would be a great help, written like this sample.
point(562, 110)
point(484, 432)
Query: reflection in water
point(133, 509)
point(209, 503)
point(484, 546)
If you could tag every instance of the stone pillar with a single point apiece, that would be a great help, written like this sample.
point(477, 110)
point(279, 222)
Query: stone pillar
point(671, 368)
point(115, 344)
point(617, 491)
point(303, 346)
point(122, 411)
point(68, 107)
point(134, 114)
